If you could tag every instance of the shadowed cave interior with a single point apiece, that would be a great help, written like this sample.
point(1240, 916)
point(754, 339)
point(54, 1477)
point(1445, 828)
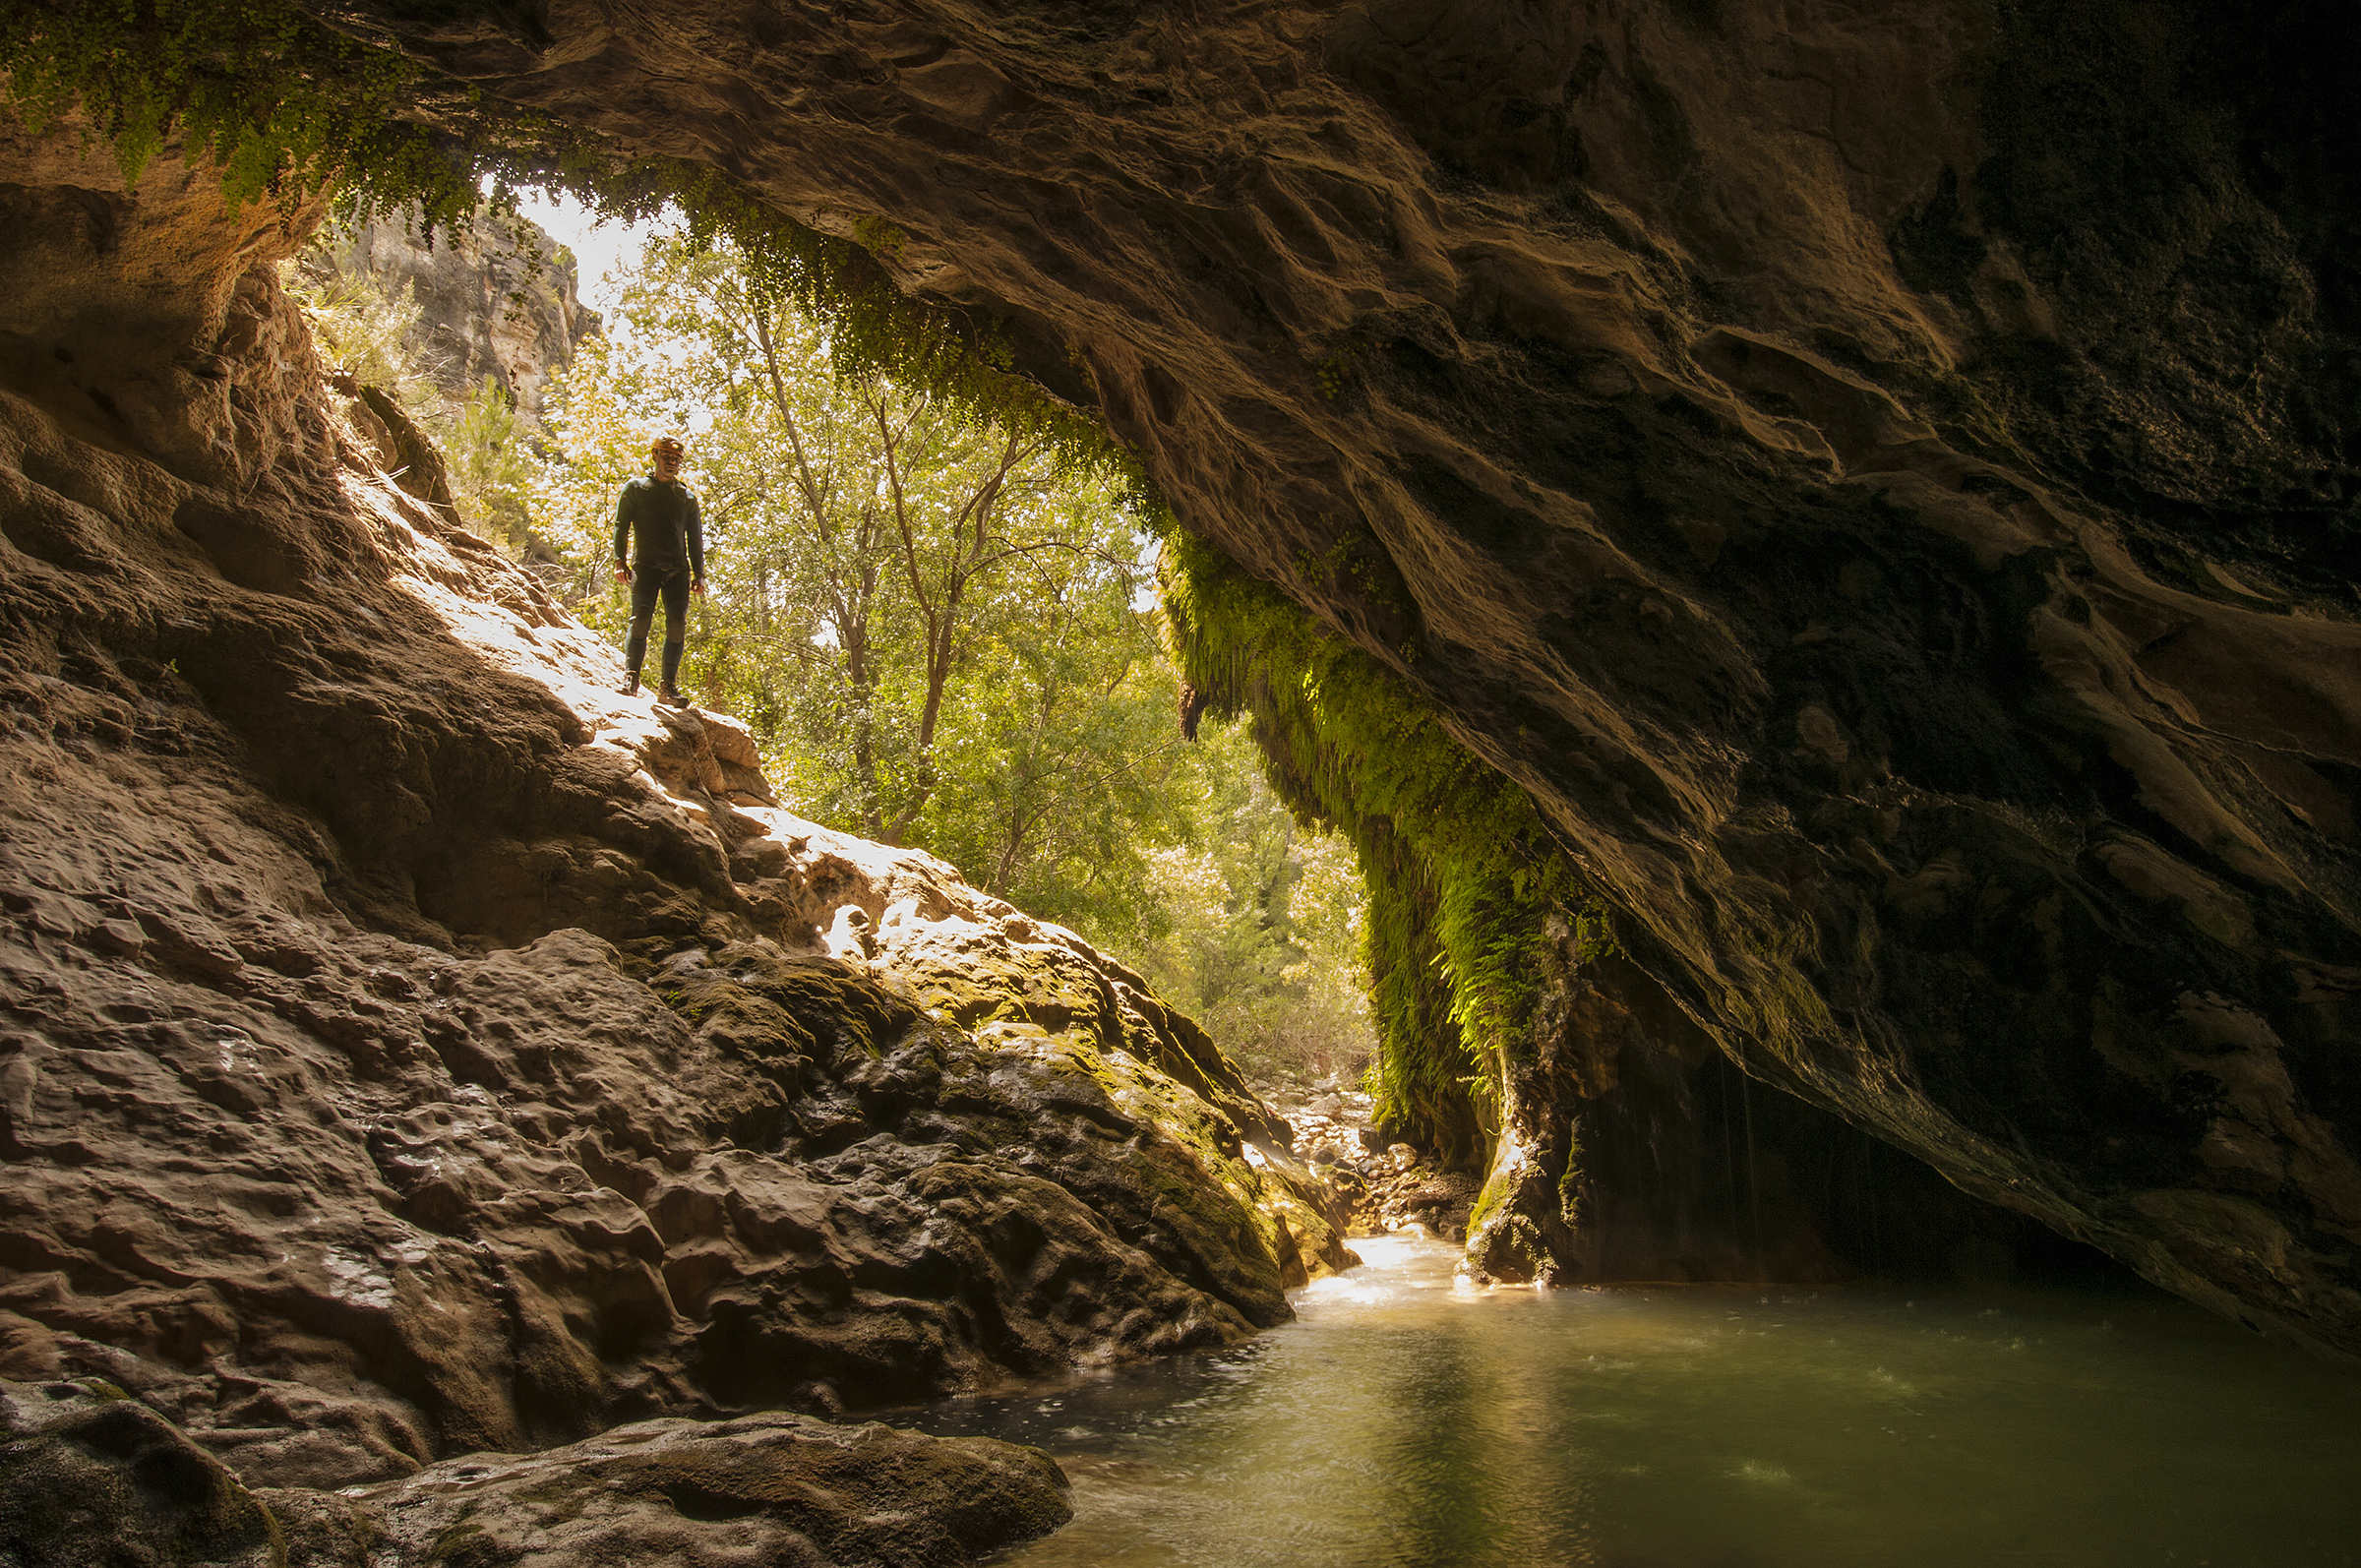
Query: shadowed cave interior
point(1853, 502)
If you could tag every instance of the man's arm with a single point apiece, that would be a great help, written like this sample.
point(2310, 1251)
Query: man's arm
point(693, 527)
point(623, 532)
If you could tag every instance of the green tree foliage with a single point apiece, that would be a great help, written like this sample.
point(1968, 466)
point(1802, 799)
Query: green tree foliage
point(927, 619)
point(489, 457)
point(1058, 766)
point(1261, 922)
point(360, 328)
point(933, 625)
point(602, 410)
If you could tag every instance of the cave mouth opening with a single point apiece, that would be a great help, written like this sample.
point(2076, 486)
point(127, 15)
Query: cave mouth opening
point(1843, 1217)
point(1688, 1173)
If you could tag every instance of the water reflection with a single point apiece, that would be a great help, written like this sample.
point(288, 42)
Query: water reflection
point(1400, 1421)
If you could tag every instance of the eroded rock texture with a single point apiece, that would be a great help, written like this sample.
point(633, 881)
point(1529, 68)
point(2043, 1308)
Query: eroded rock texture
point(770, 1489)
point(1632, 1149)
point(1879, 474)
point(409, 1046)
point(90, 1478)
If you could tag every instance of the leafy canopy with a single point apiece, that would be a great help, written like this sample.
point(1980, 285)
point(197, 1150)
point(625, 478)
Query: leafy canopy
point(934, 624)
point(927, 619)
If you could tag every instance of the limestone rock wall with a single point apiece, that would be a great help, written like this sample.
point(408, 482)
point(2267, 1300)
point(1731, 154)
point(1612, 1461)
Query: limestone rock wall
point(1880, 474)
point(497, 300)
point(1632, 1149)
point(409, 1046)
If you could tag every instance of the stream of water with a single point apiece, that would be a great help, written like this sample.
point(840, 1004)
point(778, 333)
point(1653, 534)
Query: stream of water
point(1403, 1421)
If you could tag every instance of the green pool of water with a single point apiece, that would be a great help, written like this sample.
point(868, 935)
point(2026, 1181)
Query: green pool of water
point(1403, 1420)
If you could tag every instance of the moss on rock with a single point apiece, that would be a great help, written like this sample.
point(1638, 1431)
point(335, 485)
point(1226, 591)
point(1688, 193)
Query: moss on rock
point(1463, 875)
point(91, 1479)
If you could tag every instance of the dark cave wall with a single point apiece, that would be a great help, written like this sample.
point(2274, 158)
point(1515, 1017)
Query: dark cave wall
point(1634, 1150)
point(1878, 474)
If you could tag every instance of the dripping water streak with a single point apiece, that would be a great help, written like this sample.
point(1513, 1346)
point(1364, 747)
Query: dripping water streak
point(1729, 1164)
point(1754, 1172)
point(1877, 1245)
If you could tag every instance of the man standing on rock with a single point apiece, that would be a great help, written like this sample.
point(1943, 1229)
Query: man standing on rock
point(659, 512)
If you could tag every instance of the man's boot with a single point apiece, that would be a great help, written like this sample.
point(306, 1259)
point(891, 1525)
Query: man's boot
point(630, 688)
point(669, 694)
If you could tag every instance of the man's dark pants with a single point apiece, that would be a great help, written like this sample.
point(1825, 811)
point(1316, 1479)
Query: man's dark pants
point(646, 584)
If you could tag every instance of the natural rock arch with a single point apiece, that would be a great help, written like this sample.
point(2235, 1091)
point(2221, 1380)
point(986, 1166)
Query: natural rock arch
point(1878, 475)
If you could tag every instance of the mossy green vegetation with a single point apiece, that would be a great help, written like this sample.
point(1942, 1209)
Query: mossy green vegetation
point(1463, 876)
point(285, 106)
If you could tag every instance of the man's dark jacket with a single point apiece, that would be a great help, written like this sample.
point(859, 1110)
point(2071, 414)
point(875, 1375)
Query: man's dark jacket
point(660, 517)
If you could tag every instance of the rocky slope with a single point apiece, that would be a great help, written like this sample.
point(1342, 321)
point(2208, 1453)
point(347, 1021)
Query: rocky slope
point(1879, 475)
point(409, 1046)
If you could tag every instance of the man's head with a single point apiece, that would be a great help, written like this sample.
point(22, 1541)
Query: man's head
point(664, 458)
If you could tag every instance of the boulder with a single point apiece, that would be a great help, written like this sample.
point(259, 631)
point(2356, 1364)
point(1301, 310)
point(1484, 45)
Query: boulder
point(772, 1489)
point(90, 1479)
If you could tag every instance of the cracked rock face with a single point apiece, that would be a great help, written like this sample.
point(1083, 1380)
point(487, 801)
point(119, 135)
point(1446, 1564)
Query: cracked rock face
point(409, 1046)
point(1879, 474)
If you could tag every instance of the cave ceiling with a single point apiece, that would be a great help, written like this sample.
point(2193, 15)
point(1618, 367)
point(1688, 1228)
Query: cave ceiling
point(1881, 475)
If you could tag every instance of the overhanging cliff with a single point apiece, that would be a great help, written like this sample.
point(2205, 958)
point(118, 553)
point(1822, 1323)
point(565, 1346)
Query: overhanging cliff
point(1877, 477)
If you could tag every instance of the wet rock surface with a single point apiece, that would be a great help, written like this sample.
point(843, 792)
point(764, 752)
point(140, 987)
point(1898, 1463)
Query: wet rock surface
point(1384, 1188)
point(90, 1479)
point(410, 1047)
point(772, 1489)
point(1632, 1150)
point(1879, 476)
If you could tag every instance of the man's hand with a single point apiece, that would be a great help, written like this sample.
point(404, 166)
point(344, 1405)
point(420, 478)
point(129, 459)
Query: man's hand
point(623, 573)
point(696, 584)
